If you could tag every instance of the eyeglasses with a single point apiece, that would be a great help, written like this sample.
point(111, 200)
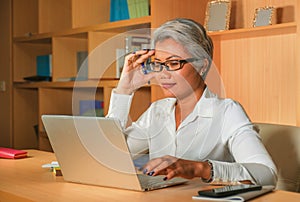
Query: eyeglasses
point(169, 65)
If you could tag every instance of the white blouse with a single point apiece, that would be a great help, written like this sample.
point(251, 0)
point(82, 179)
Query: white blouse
point(217, 130)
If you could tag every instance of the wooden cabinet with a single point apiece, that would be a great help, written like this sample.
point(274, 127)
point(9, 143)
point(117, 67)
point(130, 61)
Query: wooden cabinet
point(256, 66)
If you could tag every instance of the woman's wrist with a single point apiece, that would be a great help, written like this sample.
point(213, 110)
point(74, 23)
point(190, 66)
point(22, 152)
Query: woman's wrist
point(124, 91)
point(203, 170)
point(209, 174)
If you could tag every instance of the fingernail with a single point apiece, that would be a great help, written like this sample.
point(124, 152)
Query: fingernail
point(145, 171)
point(145, 71)
point(151, 173)
point(165, 178)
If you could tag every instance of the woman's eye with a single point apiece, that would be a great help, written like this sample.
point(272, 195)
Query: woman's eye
point(173, 63)
point(156, 64)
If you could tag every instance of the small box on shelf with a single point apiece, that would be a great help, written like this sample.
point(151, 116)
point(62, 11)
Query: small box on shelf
point(120, 56)
point(43, 69)
point(132, 43)
point(44, 65)
point(135, 43)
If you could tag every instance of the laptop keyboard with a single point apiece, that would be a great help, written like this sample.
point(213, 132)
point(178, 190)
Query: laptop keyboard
point(156, 182)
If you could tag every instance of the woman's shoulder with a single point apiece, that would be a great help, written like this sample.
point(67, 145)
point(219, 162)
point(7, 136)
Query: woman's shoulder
point(229, 105)
point(224, 103)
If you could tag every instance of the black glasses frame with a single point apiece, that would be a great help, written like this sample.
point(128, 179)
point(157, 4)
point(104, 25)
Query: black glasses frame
point(164, 64)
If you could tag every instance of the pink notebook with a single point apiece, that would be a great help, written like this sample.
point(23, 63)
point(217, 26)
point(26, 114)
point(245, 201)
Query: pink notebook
point(10, 153)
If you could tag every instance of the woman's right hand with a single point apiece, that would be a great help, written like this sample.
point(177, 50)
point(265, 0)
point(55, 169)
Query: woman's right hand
point(132, 77)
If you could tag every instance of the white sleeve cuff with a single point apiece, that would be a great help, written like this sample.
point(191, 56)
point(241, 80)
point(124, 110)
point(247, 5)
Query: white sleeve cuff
point(119, 107)
point(229, 173)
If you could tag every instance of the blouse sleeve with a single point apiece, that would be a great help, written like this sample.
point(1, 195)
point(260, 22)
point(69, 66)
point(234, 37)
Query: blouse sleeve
point(119, 107)
point(136, 134)
point(252, 161)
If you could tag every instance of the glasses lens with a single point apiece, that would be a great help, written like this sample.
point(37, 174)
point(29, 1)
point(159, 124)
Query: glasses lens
point(173, 64)
point(155, 66)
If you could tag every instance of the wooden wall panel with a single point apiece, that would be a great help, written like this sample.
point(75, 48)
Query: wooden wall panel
point(6, 74)
point(298, 63)
point(54, 15)
point(99, 12)
point(242, 12)
point(169, 9)
point(25, 118)
point(25, 21)
point(260, 73)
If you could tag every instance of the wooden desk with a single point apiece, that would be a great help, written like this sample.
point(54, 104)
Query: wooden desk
point(26, 180)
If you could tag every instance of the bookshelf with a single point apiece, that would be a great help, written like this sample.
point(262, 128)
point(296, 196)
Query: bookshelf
point(242, 56)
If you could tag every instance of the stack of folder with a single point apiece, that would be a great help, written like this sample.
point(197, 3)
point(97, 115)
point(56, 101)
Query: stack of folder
point(118, 10)
point(138, 8)
point(127, 9)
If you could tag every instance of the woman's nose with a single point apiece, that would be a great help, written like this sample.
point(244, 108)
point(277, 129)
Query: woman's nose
point(164, 74)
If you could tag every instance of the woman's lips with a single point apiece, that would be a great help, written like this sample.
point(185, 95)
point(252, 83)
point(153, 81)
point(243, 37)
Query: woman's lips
point(167, 85)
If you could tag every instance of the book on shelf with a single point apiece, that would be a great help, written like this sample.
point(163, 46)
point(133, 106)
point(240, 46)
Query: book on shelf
point(138, 8)
point(91, 108)
point(143, 8)
point(44, 65)
point(132, 8)
point(82, 65)
point(118, 10)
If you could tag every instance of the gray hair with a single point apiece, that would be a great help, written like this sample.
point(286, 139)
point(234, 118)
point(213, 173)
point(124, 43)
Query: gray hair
point(191, 35)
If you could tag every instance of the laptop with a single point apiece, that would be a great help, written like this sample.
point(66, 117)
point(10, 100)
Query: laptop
point(93, 150)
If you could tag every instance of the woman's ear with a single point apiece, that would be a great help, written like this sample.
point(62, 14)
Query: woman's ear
point(204, 68)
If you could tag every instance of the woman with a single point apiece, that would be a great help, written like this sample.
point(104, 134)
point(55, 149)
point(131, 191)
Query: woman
point(191, 133)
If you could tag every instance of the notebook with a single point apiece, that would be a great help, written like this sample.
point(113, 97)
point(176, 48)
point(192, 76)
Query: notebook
point(238, 197)
point(93, 150)
point(10, 153)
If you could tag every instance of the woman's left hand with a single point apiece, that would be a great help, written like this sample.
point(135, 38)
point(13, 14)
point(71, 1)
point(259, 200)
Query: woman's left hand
point(175, 167)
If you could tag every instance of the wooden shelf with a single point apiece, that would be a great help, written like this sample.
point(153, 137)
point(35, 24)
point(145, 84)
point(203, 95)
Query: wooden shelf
point(285, 28)
point(70, 84)
point(118, 26)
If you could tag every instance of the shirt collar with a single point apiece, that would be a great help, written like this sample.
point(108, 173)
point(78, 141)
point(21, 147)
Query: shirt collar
point(203, 108)
point(205, 105)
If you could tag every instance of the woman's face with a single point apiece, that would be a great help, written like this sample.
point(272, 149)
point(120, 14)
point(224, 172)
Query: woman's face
point(181, 83)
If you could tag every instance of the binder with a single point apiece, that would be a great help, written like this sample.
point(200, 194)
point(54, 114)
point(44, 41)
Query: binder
point(118, 10)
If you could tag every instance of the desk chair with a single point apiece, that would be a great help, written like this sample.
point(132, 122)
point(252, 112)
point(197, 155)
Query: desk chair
point(283, 144)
